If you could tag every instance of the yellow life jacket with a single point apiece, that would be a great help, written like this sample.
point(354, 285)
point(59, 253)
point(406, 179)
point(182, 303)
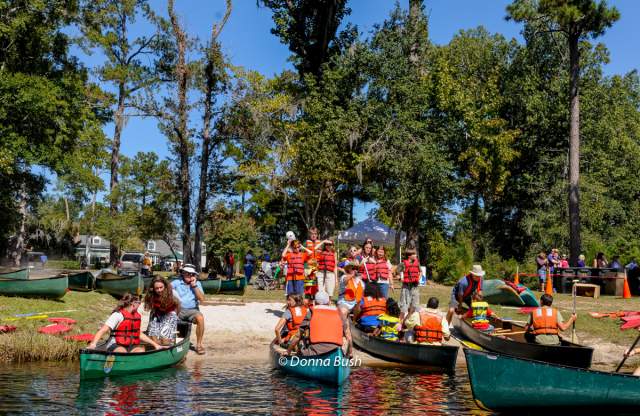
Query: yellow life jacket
point(389, 328)
point(479, 318)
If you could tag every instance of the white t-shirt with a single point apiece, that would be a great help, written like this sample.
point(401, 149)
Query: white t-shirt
point(114, 320)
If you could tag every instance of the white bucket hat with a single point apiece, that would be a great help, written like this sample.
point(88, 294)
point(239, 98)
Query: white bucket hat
point(476, 270)
point(189, 269)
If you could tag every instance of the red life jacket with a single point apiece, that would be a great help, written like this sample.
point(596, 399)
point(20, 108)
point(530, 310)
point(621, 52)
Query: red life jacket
point(382, 270)
point(368, 271)
point(327, 261)
point(373, 307)
point(472, 286)
point(128, 331)
point(298, 314)
point(325, 326)
point(430, 328)
point(295, 266)
point(411, 271)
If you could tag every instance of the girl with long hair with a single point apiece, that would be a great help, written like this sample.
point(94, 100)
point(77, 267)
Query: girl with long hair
point(382, 270)
point(164, 309)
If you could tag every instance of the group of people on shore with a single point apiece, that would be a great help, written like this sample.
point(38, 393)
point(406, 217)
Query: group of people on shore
point(167, 303)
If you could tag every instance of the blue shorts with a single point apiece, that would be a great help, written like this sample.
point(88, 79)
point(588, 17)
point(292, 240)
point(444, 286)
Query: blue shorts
point(295, 286)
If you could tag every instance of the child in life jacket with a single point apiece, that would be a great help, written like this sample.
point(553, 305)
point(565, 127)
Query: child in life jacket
point(390, 325)
point(293, 316)
point(479, 314)
point(124, 328)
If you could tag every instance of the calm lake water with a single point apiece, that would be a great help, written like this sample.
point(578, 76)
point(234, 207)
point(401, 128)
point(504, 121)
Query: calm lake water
point(205, 387)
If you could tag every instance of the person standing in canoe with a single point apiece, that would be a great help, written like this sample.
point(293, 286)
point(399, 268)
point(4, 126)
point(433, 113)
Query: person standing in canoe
point(327, 268)
point(293, 316)
point(463, 291)
point(351, 289)
point(124, 326)
point(189, 292)
point(427, 325)
point(369, 308)
point(322, 329)
point(164, 309)
point(294, 256)
point(383, 272)
point(545, 323)
point(410, 292)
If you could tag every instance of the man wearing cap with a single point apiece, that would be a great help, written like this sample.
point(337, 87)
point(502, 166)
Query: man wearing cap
point(189, 291)
point(323, 329)
point(410, 292)
point(464, 290)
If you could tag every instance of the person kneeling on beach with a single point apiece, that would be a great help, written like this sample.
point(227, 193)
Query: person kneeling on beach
point(189, 292)
point(545, 323)
point(124, 326)
point(322, 330)
point(292, 317)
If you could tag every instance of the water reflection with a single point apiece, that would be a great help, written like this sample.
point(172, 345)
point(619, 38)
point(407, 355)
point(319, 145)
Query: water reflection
point(206, 387)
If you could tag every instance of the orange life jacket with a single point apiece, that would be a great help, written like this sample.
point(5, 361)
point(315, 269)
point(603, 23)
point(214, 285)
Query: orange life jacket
point(295, 266)
point(128, 331)
point(325, 326)
point(327, 261)
point(544, 321)
point(373, 306)
point(368, 271)
point(310, 245)
point(298, 314)
point(353, 292)
point(382, 270)
point(430, 328)
point(411, 271)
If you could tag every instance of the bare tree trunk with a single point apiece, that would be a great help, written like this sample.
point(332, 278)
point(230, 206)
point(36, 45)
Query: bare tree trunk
point(115, 160)
point(574, 150)
point(18, 246)
point(396, 244)
point(182, 133)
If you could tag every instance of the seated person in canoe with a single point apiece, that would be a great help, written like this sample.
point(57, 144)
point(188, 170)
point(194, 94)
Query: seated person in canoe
point(462, 292)
point(427, 325)
point(545, 323)
point(372, 305)
point(124, 328)
point(295, 256)
point(164, 309)
point(479, 314)
point(322, 330)
point(189, 292)
point(351, 289)
point(389, 323)
point(293, 316)
point(410, 292)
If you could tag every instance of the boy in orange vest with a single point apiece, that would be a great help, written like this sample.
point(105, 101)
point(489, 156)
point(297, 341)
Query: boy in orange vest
point(410, 292)
point(295, 255)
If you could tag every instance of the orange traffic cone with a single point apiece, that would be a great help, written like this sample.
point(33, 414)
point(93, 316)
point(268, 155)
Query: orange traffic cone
point(549, 286)
point(626, 293)
point(516, 279)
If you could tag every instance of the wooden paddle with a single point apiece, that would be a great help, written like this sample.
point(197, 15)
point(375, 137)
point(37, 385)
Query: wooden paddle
point(574, 338)
point(626, 355)
point(467, 344)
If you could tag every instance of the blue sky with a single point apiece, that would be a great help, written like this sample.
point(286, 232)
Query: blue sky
point(247, 42)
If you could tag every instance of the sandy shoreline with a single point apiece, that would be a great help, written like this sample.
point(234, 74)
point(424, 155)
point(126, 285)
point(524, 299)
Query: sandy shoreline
point(242, 332)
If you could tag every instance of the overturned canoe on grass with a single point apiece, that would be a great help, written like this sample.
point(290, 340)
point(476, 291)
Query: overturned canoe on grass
point(439, 357)
point(47, 287)
point(502, 383)
point(497, 292)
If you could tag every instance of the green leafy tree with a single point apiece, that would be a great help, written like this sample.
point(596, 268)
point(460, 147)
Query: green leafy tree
point(578, 20)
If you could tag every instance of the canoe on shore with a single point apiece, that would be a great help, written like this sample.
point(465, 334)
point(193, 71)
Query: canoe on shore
point(441, 357)
point(331, 368)
point(508, 384)
point(497, 292)
point(18, 274)
point(99, 363)
point(508, 338)
point(48, 287)
point(117, 285)
point(224, 287)
point(82, 281)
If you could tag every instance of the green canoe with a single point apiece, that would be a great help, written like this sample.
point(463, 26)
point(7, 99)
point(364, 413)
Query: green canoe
point(18, 274)
point(496, 292)
point(100, 363)
point(503, 383)
point(48, 287)
point(117, 285)
point(82, 281)
point(225, 287)
point(332, 367)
